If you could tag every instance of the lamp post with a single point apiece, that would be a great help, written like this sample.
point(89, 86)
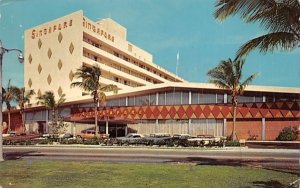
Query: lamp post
point(21, 59)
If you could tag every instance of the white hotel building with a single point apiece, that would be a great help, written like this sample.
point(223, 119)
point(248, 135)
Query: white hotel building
point(150, 98)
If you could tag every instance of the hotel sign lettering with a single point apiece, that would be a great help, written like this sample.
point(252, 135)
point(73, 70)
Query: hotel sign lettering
point(51, 29)
point(97, 30)
point(36, 33)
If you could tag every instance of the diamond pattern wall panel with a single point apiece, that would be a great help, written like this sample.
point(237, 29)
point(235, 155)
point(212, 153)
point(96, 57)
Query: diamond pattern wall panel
point(59, 64)
point(216, 111)
point(40, 43)
point(59, 91)
point(60, 37)
point(30, 58)
point(49, 53)
point(71, 75)
point(71, 48)
point(49, 79)
point(39, 68)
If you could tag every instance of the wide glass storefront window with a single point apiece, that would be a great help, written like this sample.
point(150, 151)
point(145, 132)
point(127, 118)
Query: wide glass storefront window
point(207, 127)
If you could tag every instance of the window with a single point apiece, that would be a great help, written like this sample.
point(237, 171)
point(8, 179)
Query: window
point(152, 99)
point(220, 98)
point(130, 101)
point(142, 100)
point(194, 99)
point(116, 54)
point(207, 127)
point(207, 98)
point(161, 98)
point(185, 97)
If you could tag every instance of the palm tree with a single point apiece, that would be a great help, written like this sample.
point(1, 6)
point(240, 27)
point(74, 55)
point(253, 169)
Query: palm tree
point(22, 97)
point(7, 97)
point(228, 75)
point(280, 18)
point(48, 100)
point(91, 83)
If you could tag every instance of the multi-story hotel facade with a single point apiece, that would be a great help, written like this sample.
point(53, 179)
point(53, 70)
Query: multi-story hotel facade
point(150, 99)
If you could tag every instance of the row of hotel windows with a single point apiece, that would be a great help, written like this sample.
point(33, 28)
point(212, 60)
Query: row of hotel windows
point(113, 77)
point(182, 97)
point(120, 68)
point(177, 98)
point(95, 44)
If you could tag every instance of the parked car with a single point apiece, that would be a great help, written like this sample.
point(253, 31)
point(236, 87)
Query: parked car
point(87, 134)
point(205, 140)
point(181, 140)
point(65, 136)
point(131, 138)
point(158, 139)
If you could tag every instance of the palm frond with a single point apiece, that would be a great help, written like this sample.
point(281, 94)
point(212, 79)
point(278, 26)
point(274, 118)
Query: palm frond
point(226, 8)
point(269, 42)
point(284, 17)
point(109, 87)
point(228, 74)
point(246, 82)
point(61, 100)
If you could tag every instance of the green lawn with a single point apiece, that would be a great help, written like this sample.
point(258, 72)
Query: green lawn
point(22, 173)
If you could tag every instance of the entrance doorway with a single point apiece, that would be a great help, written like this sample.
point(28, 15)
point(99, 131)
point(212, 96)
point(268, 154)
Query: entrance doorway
point(114, 130)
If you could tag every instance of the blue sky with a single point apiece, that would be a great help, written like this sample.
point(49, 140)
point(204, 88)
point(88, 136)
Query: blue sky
point(161, 27)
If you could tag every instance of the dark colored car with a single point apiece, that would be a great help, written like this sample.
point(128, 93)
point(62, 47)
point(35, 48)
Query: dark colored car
point(181, 140)
point(158, 139)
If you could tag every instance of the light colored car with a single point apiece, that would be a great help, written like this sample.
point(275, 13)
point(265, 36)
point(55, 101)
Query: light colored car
point(65, 136)
point(87, 134)
point(202, 140)
point(131, 138)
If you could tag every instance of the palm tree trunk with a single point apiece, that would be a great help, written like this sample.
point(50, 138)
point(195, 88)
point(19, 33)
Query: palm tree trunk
point(53, 118)
point(234, 102)
point(23, 121)
point(96, 120)
point(8, 126)
point(1, 116)
point(234, 124)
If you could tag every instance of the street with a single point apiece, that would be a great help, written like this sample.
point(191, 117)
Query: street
point(265, 158)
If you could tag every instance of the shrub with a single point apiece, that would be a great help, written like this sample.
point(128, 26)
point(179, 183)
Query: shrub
point(288, 134)
point(232, 143)
point(93, 141)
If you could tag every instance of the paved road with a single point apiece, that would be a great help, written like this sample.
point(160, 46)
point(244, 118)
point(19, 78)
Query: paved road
point(280, 158)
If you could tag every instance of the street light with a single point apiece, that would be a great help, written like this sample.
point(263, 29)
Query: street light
point(21, 59)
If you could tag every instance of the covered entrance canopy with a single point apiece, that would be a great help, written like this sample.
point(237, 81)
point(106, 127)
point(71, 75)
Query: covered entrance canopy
point(114, 126)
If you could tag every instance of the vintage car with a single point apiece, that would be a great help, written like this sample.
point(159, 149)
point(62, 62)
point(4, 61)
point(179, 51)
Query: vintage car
point(158, 139)
point(89, 134)
point(180, 140)
point(205, 140)
point(131, 138)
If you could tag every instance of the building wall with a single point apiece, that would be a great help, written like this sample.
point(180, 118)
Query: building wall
point(15, 122)
point(249, 130)
point(53, 52)
point(273, 127)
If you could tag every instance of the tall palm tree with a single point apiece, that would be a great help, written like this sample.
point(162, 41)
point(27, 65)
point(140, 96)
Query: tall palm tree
point(48, 100)
point(22, 97)
point(281, 19)
point(91, 83)
point(228, 75)
point(7, 98)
